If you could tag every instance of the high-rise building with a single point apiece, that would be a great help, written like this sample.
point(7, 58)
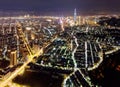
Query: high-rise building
point(79, 20)
point(75, 15)
point(62, 24)
point(13, 58)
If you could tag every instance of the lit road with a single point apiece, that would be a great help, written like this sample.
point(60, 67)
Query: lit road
point(96, 65)
point(112, 51)
point(30, 59)
point(77, 80)
point(86, 56)
point(39, 52)
point(75, 64)
point(16, 72)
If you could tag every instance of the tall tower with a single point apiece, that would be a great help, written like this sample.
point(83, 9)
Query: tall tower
point(75, 15)
point(13, 58)
point(62, 24)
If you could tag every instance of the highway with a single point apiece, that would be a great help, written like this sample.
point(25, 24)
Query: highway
point(30, 57)
point(16, 72)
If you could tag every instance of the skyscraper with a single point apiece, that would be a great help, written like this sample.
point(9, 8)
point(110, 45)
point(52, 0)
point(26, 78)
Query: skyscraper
point(75, 15)
point(13, 58)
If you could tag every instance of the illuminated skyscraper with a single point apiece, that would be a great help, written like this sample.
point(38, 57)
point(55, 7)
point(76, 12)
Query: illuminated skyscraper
point(13, 58)
point(62, 24)
point(75, 15)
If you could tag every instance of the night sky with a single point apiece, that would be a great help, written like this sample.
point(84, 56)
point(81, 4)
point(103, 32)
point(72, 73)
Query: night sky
point(60, 5)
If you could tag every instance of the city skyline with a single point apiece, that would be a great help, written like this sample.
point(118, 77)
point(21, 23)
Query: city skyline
point(59, 43)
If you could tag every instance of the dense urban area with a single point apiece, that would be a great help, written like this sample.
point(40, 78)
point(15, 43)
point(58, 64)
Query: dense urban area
point(51, 51)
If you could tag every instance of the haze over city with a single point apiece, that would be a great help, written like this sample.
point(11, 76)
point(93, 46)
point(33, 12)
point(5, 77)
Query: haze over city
point(61, 7)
